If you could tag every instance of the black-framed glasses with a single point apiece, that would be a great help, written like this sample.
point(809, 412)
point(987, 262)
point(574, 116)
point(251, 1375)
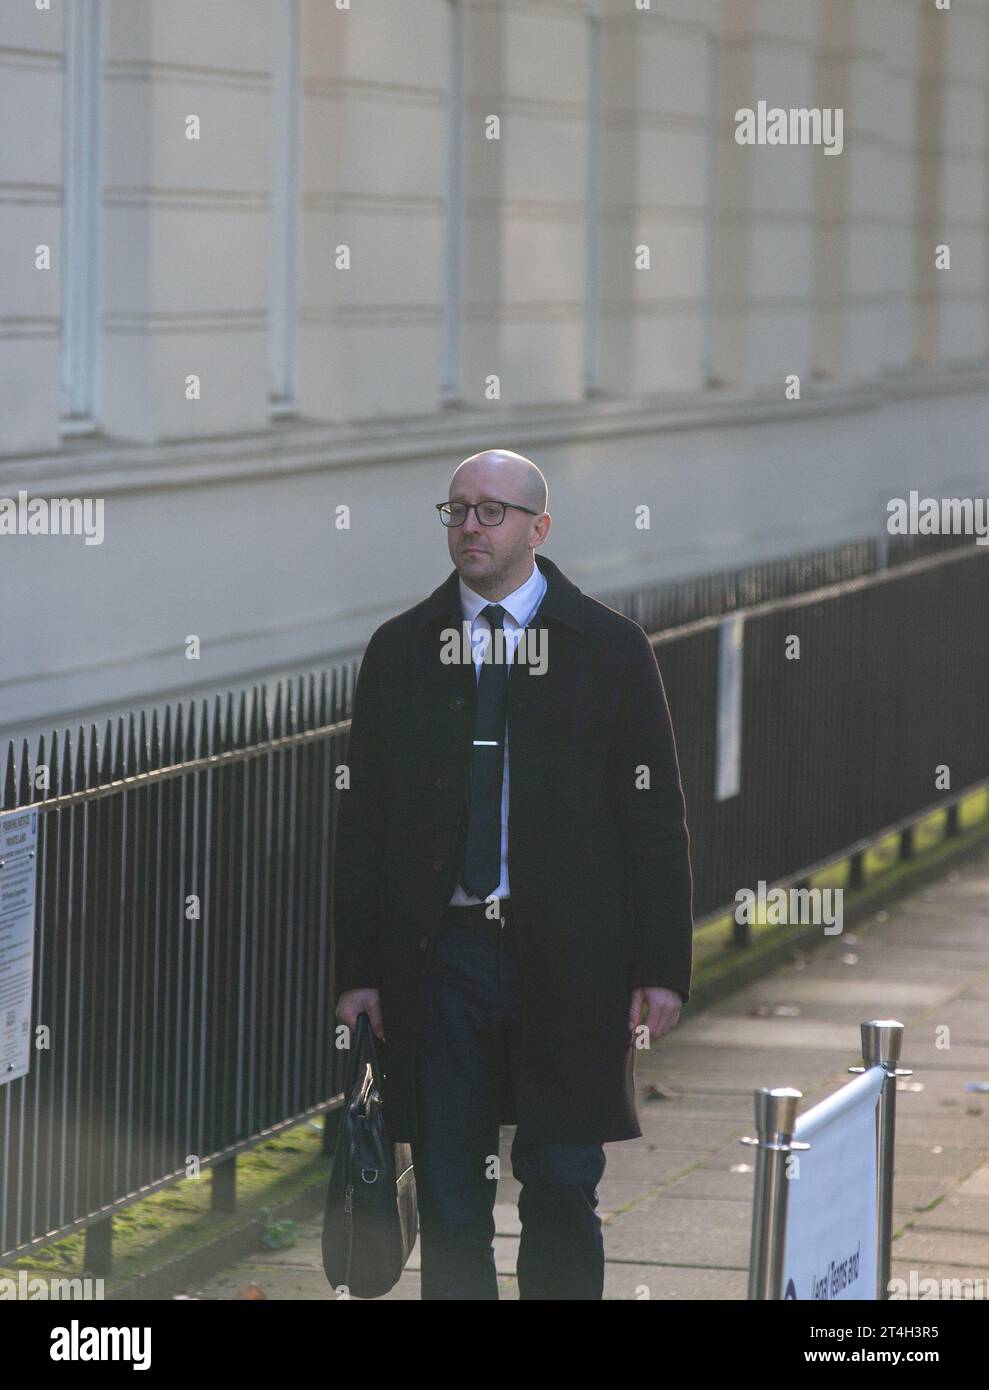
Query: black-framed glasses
point(487, 513)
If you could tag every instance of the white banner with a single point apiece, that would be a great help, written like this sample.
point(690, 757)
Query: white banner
point(832, 1218)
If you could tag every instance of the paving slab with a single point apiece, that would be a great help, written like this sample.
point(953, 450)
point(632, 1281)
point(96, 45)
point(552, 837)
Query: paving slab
point(974, 1277)
point(976, 1184)
point(956, 1213)
point(957, 1126)
point(946, 1248)
point(724, 1184)
point(673, 1283)
point(714, 1233)
point(917, 1192)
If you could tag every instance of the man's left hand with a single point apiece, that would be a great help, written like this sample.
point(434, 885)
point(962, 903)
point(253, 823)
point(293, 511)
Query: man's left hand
point(663, 1010)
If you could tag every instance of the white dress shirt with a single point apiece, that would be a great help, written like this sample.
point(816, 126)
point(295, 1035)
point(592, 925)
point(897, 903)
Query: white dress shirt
point(519, 606)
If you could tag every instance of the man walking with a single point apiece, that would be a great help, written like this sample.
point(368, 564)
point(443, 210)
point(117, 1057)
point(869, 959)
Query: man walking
point(514, 931)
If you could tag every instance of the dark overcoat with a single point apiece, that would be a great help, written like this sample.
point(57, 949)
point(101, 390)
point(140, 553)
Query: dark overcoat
point(599, 865)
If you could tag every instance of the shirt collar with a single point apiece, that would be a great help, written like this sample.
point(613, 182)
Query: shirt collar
point(520, 604)
point(562, 602)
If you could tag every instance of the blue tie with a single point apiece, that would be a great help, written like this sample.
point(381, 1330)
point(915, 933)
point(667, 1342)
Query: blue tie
point(482, 856)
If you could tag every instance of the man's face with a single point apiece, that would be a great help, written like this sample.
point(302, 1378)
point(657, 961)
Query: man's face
point(487, 552)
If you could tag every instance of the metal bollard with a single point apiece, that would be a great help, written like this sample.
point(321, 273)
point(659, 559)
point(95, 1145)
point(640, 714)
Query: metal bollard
point(882, 1039)
point(775, 1118)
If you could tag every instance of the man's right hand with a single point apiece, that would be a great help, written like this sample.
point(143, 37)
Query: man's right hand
point(354, 1001)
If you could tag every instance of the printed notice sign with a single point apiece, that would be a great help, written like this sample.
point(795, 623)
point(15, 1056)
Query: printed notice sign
point(728, 731)
point(18, 874)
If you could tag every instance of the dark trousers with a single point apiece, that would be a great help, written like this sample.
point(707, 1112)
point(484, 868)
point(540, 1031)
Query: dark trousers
point(468, 1055)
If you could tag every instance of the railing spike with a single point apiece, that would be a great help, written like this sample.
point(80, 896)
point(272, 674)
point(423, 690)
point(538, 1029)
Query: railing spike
point(93, 774)
point(166, 738)
point(106, 762)
point(155, 753)
point(216, 736)
point(80, 775)
point(204, 748)
point(131, 755)
point(39, 763)
point(241, 734)
point(120, 751)
point(9, 796)
point(25, 788)
point(142, 745)
point(66, 785)
point(228, 722)
point(276, 723)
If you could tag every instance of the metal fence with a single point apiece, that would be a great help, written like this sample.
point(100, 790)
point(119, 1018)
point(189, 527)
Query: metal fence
point(843, 743)
point(671, 603)
point(183, 961)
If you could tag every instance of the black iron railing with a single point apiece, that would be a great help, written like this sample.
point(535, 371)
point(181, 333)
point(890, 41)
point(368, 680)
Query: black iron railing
point(846, 741)
point(182, 954)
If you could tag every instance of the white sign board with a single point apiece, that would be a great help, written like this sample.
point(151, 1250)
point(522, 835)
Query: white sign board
point(18, 875)
point(832, 1208)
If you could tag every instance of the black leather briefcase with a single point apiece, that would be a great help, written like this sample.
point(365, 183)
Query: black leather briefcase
point(371, 1216)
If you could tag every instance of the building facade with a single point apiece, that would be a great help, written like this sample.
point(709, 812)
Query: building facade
point(274, 267)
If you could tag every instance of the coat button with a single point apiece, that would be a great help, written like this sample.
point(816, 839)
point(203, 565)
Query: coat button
point(423, 943)
point(457, 702)
point(438, 863)
point(442, 783)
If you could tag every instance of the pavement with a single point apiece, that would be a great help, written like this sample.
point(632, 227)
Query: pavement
point(677, 1203)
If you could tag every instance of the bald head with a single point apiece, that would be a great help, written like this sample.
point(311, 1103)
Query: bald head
point(496, 560)
point(519, 477)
